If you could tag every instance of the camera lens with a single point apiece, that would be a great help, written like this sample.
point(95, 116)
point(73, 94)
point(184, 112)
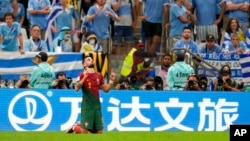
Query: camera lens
point(122, 87)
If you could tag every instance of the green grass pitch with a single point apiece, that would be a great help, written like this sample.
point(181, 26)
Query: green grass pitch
point(114, 136)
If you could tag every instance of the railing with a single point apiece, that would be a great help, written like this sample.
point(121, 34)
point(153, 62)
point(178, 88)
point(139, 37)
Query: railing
point(195, 61)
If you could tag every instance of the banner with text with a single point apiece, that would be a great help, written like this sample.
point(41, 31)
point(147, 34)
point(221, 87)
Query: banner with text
point(43, 110)
point(218, 60)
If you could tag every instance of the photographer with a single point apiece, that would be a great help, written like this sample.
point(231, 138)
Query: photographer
point(149, 85)
point(23, 82)
point(192, 83)
point(224, 81)
point(61, 82)
point(203, 82)
point(123, 84)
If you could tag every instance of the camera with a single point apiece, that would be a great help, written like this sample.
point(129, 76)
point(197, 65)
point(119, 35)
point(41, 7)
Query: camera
point(122, 87)
point(133, 80)
point(24, 84)
point(64, 82)
point(124, 83)
point(148, 87)
point(158, 83)
point(225, 73)
point(220, 81)
point(227, 81)
point(240, 85)
point(203, 82)
point(191, 85)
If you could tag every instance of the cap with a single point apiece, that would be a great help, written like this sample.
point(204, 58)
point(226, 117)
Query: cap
point(210, 37)
point(43, 56)
point(140, 44)
point(65, 28)
point(90, 35)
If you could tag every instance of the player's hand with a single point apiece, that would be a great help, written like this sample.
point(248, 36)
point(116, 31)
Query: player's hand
point(85, 73)
point(112, 75)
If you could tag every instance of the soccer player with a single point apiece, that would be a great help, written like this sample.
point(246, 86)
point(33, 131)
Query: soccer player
point(90, 82)
point(10, 34)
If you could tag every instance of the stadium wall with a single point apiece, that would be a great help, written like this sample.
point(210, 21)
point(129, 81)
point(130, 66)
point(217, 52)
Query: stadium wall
point(45, 110)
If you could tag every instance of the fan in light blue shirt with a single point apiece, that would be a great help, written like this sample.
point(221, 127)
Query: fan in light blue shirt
point(154, 9)
point(10, 34)
point(236, 46)
point(101, 20)
point(186, 41)
point(210, 46)
point(35, 43)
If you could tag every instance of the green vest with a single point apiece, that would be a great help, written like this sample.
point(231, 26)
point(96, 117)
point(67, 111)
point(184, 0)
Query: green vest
point(128, 63)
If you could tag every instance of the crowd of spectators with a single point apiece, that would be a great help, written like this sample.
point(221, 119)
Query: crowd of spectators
point(214, 26)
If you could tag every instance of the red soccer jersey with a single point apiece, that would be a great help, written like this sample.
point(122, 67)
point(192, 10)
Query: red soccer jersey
point(93, 83)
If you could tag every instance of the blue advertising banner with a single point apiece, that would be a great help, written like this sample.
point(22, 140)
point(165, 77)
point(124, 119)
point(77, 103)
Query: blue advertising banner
point(44, 110)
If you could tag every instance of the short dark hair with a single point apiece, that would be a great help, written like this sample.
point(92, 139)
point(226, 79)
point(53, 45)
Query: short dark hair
point(187, 27)
point(35, 25)
point(167, 54)
point(9, 14)
point(60, 73)
point(180, 56)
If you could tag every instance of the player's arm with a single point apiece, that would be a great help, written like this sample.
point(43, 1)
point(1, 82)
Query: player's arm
point(107, 87)
point(79, 84)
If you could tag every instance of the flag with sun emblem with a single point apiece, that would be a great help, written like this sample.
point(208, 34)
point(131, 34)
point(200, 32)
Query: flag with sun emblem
point(14, 64)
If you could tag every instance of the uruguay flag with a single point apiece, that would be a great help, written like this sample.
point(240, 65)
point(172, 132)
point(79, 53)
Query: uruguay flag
point(49, 35)
point(14, 64)
point(245, 67)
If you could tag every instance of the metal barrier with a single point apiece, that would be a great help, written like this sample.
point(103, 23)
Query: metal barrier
point(195, 61)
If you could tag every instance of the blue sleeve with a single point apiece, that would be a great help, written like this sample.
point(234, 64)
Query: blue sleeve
point(177, 44)
point(91, 10)
point(243, 45)
point(22, 10)
point(218, 1)
point(75, 15)
point(27, 46)
point(195, 48)
point(202, 49)
point(48, 3)
point(12, 1)
point(111, 10)
point(152, 73)
point(176, 12)
point(30, 5)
